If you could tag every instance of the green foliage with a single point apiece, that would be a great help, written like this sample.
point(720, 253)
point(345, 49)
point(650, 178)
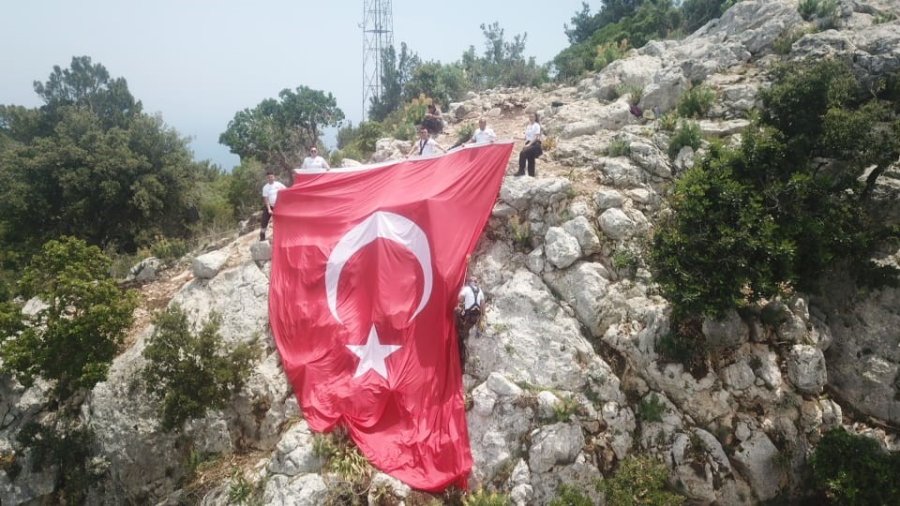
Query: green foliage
point(359, 142)
point(565, 408)
point(628, 23)
point(168, 250)
point(445, 83)
point(243, 188)
point(521, 232)
point(669, 121)
point(570, 495)
point(785, 42)
point(752, 221)
point(625, 260)
point(277, 132)
point(402, 123)
point(465, 132)
point(68, 450)
point(822, 9)
point(640, 481)
point(503, 62)
point(687, 134)
point(341, 456)
point(609, 52)
point(618, 147)
point(651, 409)
point(396, 72)
point(240, 490)
point(482, 497)
point(188, 372)
point(696, 102)
point(698, 12)
point(75, 337)
point(634, 92)
point(91, 152)
point(853, 470)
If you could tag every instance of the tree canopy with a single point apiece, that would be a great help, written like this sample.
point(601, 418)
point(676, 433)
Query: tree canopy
point(790, 205)
point(277, 131)
point(90, 152)
point(74, 337)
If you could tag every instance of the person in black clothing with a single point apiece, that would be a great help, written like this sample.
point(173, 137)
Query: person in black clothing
point(532, 147)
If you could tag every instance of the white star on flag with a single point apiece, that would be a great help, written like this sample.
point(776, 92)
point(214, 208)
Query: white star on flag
point(372, 354)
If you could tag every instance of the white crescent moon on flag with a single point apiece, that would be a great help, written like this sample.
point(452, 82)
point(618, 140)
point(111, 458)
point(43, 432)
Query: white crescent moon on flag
point(383, 225)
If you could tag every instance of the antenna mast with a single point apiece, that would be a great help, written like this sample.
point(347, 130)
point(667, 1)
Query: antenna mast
point(378, 35)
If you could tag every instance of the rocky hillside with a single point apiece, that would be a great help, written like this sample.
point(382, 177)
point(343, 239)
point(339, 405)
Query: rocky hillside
point(568, 377)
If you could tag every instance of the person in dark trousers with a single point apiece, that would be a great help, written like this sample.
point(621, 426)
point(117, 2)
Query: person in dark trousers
point(468, 313)
point(269, 195)
point(532, 147)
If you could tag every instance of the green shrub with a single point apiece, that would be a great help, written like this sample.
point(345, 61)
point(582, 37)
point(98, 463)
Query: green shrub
point(341, 456)
point(651, 409)
point(640, 481)
point(240, 490)
point(696, 102)
point(808, 8)
point(358, 143)
point(482, 497)
point(752, 222)
point(785, 42)
point(75, 338)
point(569, 495)
point(618, 147)
point(687, 134)
point(187, 372)
point(465, 133)
point(625, 260)
point(167, 249)
point(609, 52)
point(669, 121)
point(67, 449)
point(854, 471)
point(634, 92)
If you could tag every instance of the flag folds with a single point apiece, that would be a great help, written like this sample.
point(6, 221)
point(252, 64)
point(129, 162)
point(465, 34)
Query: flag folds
point(366, 268)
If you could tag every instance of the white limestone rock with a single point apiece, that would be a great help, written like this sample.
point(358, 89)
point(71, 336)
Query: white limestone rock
point(554, 445)
point(300, 490)
point(261, 251)
point(754, 458)
point(806, 368)
point(561, 248)
point(294, 454)
point(580, 228)
point(145, 270)
point(616, 224)
point(208, 265)
point(607, 199)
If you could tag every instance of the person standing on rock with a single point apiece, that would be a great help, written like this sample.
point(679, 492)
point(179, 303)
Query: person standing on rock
point(314, 161)
point(269, 195)
point(532, 147)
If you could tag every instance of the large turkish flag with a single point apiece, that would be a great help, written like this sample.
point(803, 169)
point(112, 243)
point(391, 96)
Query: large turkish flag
point(366, 268)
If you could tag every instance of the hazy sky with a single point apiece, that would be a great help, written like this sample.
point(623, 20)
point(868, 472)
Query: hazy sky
point(197, 62)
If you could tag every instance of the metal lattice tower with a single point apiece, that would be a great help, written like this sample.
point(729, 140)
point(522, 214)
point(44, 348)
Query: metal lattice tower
point(378, 35)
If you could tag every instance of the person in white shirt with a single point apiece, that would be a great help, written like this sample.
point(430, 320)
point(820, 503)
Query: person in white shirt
point(314, 161)
point(425, 145)
point(483, 134)
point(269, 195)
point(532, 147)
point(468, 313)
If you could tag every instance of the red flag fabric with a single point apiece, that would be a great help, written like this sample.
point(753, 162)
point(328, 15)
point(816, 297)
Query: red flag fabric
point(366, 268)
